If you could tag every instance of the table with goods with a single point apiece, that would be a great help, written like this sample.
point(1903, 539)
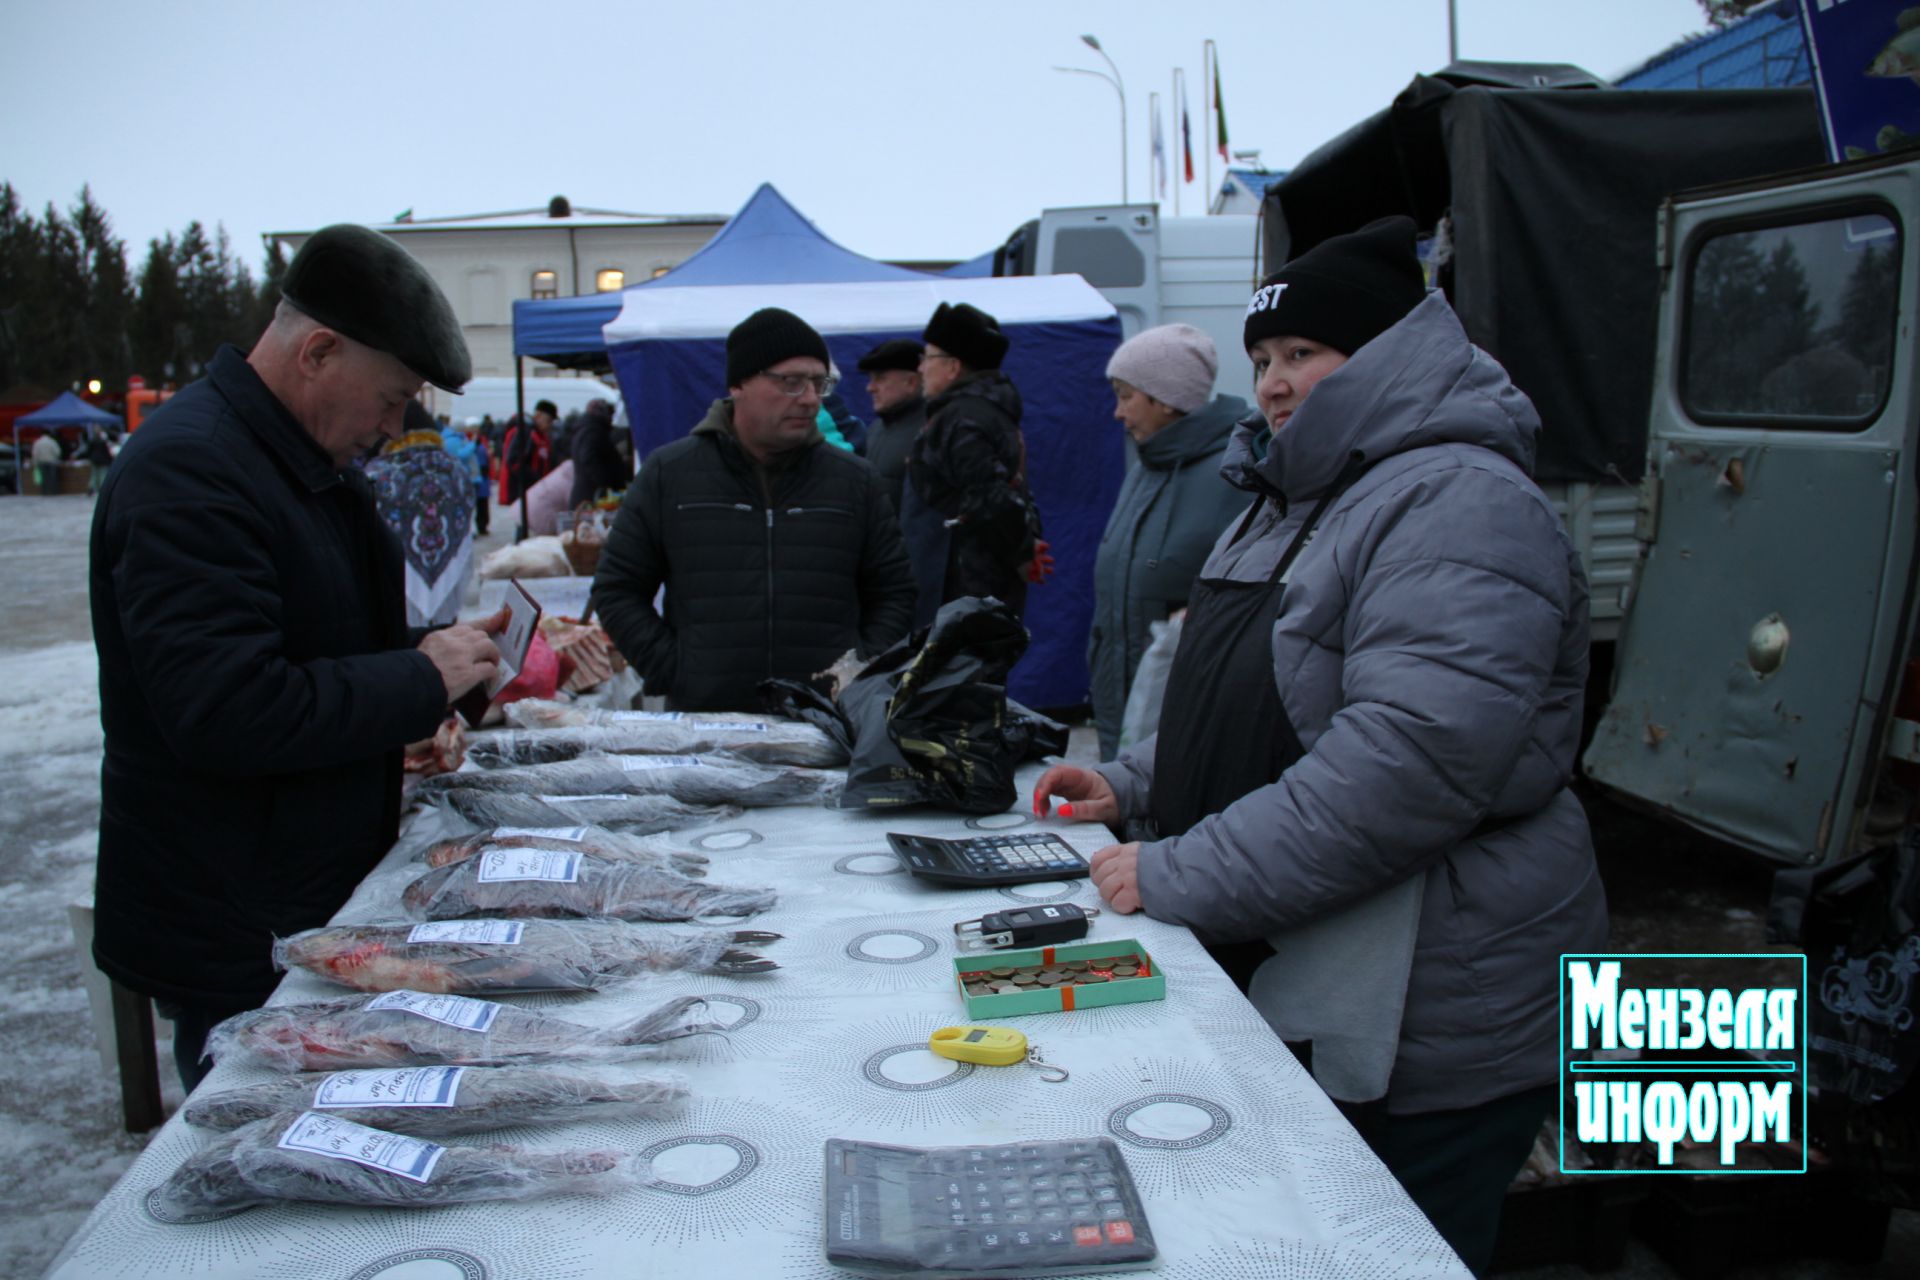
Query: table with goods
point(632, 997)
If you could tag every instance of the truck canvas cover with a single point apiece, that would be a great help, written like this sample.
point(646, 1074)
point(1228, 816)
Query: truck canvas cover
point(1554, 195)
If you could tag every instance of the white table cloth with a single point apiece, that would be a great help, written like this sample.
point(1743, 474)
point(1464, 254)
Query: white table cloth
point(1245, 1168)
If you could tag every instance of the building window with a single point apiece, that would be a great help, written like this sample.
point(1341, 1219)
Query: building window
point(660, 271)
point(546, 284)
point(608, 279)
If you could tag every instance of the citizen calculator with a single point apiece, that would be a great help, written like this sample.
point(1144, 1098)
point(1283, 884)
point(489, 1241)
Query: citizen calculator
point(989, 860)
point(1019, 1208)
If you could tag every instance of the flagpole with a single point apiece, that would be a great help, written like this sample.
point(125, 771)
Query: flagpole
point(1174, 111)
point(1208, 54)
point(1155, 183)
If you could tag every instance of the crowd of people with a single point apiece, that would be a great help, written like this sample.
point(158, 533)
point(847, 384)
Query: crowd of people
point(1358, 792)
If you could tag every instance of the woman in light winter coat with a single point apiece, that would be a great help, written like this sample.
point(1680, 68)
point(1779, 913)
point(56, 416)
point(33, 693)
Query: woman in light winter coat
point(1369, 730)
point(1172, 505)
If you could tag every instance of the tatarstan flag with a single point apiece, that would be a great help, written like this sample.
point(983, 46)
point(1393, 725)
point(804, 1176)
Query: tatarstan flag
point(1219, 108)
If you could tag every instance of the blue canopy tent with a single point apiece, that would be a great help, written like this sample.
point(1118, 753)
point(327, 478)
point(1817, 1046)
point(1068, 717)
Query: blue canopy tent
point(668, 350)
point(68, 410)
point(767, 242)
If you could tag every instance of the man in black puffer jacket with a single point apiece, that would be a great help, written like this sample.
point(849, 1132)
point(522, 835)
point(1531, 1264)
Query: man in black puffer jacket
point(778, 553)
point(971, 525)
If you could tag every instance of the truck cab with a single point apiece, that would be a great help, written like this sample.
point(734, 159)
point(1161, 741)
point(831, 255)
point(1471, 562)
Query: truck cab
point(1770, 618)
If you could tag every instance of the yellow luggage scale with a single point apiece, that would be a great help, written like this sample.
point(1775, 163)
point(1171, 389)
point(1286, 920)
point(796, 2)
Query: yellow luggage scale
point(992, 1047)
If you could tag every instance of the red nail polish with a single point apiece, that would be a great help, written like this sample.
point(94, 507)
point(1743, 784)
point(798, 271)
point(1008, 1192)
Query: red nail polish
point(1066, 810)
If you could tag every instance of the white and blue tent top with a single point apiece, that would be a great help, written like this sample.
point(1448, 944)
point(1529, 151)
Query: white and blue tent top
point(668, 349)
point(767, 242)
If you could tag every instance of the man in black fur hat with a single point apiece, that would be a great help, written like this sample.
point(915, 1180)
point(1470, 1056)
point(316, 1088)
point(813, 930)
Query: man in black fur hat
point(257, 679)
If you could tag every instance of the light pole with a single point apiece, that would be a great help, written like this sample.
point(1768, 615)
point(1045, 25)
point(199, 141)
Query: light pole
point(1118, 88)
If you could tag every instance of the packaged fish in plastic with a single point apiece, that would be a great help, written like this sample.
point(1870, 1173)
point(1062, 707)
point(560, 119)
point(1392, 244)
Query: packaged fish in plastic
point(416, 1028)
point(626, 812)
point(322, 1159)
point(550, 884)
point(444, 1102)
point(552, 713)
point(616, 846)
point(479, 957)
point(761, 741)
point(688, 779)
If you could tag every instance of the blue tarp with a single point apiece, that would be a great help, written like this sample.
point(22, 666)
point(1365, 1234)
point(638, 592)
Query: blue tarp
point(767, 242)
point(668, 350)
point(68, 410)
point(972, 268)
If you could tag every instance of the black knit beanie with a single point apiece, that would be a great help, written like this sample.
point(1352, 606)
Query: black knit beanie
point(767, 337)
point(1345, 291)
point(967, 333)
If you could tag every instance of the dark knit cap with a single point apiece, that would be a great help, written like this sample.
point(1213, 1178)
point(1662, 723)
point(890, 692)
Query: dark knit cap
point(767, 337)
point(547, 407)
point(965, 331)
point(361, 284)
point(894, 353)
point(1345, 291)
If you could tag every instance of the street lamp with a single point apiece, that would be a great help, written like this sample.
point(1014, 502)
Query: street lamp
point(1118, 88)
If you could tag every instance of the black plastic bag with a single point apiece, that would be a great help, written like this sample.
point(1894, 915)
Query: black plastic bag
point(930, 719)
point(1859, 923)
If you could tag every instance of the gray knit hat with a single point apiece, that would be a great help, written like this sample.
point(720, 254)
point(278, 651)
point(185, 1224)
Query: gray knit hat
point(1175, 364)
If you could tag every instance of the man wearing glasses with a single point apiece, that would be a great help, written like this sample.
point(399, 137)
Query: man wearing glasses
point(778, 554)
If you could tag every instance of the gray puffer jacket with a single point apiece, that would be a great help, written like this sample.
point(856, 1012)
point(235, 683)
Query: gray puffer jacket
point(1171, 509)
point(1432, 655)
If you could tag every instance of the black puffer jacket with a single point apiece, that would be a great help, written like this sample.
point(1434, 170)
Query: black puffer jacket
point(597, 465)
point(969, 464)
point(770, 571)
point(255, 687)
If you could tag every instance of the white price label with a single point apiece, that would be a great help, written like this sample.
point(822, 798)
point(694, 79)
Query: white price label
point(505, 932)
point(570, 835)
point(646, 764)
point(453, 1011)
point(399, 1087)
point(497, 865)
point(644, 717)
point(578, 799)
point(410, 1158)
point(729, 726)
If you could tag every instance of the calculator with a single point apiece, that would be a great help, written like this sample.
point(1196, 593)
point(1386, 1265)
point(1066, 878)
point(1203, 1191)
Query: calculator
point(1018, 1208)
point(989, 860)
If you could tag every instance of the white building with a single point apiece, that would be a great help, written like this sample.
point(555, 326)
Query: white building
point(484, 261)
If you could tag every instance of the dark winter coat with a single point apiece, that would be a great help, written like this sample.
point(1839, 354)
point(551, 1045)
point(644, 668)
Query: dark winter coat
point(969, 465)
point(597, 465)
point(772, 570)
point(1431, 652)
point(1172, 506)
point(255, 688)
point(889, 442)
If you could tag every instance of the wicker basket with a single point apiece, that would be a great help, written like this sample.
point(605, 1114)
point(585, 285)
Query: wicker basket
point(583, 541)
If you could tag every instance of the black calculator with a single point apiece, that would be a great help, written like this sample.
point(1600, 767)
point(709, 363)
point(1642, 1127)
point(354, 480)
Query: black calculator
point(989, 860)
point(1021, 1207)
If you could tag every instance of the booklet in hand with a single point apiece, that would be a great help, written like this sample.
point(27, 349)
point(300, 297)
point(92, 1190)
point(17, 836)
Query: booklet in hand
point(523, 617)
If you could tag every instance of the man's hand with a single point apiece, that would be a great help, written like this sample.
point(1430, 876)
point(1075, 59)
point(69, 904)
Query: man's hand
point(1091, 799)
point(463, 655)
point(1116, 873)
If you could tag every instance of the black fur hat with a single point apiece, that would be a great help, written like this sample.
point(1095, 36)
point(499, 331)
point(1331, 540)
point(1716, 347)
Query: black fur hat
point(360, 283)
point(968, 333)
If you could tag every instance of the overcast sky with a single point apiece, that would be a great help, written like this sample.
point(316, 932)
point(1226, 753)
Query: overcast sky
point(904, 130)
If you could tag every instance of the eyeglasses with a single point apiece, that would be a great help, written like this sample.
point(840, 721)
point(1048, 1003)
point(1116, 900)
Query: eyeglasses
point(937, 355)
point(792, 384)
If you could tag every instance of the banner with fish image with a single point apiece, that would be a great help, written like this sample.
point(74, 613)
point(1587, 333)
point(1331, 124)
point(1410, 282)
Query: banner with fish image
point(1866, 69)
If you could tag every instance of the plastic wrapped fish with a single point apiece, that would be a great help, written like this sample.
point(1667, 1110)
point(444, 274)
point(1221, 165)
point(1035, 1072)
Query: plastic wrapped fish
point(414, 1028)
point(629, 813)
point(317, 1158)
point(760, 741)
point(477, 957)
point(688, 779)
point(616, 846)
point(443, 1102)
point(551, 713)
point(544, 883)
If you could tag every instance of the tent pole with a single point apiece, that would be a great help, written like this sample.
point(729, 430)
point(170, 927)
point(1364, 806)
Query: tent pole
point(523, 440)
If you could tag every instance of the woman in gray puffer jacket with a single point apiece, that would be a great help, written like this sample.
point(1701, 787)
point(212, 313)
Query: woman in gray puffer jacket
point(1367, 738)
point(1172, 505)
